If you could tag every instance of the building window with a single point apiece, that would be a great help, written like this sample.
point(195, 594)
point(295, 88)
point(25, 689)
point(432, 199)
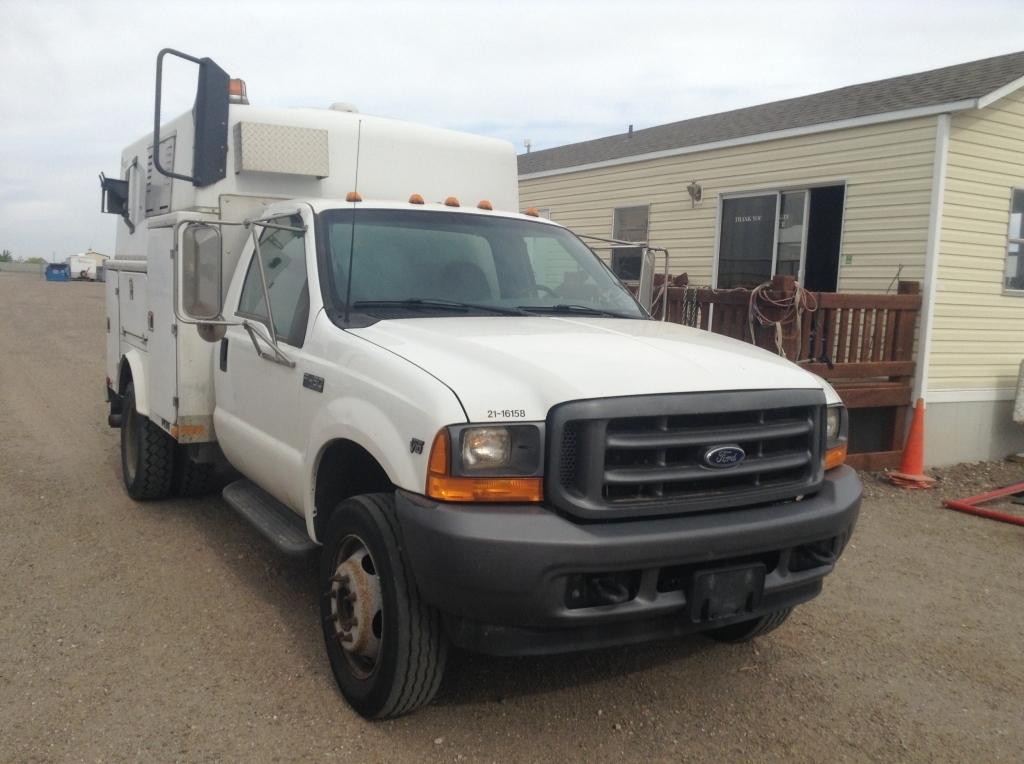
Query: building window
point(629, 224)
point(1015, 244)
point(794, 233)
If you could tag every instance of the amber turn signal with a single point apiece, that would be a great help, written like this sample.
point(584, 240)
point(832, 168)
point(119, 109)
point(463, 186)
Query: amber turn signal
point(444, 487)
point(236, 92)
point(835, 456)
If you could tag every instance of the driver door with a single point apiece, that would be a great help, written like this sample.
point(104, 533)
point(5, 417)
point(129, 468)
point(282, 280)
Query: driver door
point(259, 423)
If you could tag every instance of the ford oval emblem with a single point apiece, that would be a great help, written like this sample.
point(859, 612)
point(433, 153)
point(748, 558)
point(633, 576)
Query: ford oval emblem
point(723, 457)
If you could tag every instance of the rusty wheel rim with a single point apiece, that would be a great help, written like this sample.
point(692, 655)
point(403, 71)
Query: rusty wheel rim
point(357, 606)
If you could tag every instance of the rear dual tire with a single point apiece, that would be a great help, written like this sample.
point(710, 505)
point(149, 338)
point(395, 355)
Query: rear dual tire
point(191, 478)
point(153, 465)
point(147, 454)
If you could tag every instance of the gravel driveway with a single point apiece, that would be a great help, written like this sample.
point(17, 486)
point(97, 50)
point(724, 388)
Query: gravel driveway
point(172, 631)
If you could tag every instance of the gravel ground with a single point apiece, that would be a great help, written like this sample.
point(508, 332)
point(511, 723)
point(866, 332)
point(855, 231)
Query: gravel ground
point(171, 631)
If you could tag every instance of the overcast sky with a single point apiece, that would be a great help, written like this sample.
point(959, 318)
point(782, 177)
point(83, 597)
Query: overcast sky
point(76, 78)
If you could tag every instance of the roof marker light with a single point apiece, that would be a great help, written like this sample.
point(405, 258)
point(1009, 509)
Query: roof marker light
point(484, 205)
point(353, 196)
point(415, 199)
point(533, 212)
point(237, 93)
point(451, 201)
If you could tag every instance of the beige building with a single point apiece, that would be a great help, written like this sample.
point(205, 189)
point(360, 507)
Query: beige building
point(917, 177)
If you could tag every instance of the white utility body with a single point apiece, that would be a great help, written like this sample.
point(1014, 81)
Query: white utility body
point(491, 440)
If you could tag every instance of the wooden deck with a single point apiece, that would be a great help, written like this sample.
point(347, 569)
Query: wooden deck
point(863, 344)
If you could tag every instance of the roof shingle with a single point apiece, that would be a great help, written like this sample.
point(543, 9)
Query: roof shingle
point(932, 88)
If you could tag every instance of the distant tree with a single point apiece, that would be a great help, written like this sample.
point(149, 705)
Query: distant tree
point(6, 257)
point(36, 260)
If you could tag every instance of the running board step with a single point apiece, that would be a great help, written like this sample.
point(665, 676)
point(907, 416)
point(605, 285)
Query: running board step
point(282, 527)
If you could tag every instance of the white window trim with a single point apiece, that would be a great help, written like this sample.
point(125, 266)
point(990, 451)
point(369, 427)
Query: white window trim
point(1019, 241)
point(631, 207)
point(778, 191)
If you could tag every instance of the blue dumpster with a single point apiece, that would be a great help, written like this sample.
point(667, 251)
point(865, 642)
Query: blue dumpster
point(58, 272)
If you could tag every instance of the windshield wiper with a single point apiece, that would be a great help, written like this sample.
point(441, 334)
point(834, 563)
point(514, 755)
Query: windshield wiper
point(430, 303)
point(585, 310)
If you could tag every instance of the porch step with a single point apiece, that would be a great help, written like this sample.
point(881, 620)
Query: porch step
point(282, 527)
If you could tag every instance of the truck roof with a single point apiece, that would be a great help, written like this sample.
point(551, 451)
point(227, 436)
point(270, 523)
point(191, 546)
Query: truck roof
point(288, 153)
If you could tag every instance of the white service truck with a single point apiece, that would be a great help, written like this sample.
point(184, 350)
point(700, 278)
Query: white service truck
point(487, 438)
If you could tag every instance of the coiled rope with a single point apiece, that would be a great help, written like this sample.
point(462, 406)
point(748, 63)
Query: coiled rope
point(789, 310)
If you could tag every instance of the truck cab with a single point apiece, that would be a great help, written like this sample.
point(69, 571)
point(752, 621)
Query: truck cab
point(487, 440)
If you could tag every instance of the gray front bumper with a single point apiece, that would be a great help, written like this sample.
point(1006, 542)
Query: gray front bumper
point(508, 565)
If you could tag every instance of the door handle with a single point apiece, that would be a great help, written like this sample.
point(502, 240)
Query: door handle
point(224, 354)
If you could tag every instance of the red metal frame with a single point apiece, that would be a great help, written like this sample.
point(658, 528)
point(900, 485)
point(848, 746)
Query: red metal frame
point(968, 505)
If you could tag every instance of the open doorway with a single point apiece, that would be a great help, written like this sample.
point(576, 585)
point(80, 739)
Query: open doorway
point(824, 234)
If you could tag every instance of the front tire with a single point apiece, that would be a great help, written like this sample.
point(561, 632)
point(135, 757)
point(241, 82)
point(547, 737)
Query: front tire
point(385, 644)
point(744, 631)
point(147, 454)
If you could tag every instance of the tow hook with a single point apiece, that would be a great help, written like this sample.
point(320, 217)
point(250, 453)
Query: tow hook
point(597, 589)
point(608, 591)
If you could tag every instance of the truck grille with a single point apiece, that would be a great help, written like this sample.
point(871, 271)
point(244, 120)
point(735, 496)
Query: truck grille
point(646, 455)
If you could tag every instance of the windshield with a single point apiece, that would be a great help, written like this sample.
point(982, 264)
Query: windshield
point(418, 262)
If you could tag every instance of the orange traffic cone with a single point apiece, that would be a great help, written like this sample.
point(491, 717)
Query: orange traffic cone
point(911, 471)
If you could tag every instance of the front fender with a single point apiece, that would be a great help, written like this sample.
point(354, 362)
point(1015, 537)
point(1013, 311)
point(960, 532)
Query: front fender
point(137, 365)
point(372, 429)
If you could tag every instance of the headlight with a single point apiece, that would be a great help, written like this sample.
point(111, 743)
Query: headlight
point(833, 420)
point(486, 448)
point(494, 463)
point(836, 426)
point(497, 450)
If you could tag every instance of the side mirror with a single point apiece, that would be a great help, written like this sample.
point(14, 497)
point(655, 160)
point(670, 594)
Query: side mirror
point(200, 272)
point(115, 195)
point(210, 143)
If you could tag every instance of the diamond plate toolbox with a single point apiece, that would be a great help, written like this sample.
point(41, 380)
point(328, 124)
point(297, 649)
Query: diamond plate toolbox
point(280, 148)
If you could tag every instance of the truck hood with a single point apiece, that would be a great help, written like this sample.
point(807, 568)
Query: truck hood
point(514, 367)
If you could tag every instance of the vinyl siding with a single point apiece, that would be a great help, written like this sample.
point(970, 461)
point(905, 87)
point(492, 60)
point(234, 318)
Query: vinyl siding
point(887, 170)
point(978, 332)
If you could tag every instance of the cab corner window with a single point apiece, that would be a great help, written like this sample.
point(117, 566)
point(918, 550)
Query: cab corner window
point(283, 255)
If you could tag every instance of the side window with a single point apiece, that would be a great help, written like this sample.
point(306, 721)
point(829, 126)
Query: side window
point(284, 264)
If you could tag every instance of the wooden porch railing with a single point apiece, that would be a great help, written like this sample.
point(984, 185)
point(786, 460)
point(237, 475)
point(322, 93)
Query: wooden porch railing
point(862, 343)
